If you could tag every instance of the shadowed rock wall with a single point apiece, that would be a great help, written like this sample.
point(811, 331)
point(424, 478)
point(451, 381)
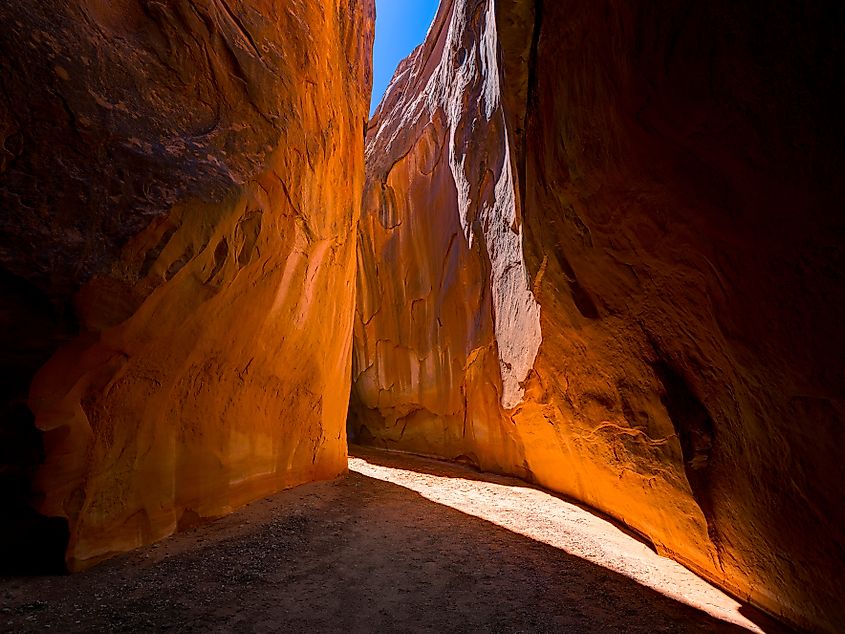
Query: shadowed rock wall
point(180, 184)
point(602, 249)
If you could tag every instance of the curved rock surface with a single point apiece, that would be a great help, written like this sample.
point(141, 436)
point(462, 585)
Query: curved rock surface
point(448, 328)
point(602, 249)
point(180, 184)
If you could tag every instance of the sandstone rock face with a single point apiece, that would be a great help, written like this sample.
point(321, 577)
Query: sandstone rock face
point(180, 186)
point(448, 328)
point(602, 249)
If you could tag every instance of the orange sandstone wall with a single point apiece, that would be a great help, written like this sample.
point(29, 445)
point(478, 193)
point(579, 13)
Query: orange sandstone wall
point(447, 327)
point(180, 185)
point(601, 248)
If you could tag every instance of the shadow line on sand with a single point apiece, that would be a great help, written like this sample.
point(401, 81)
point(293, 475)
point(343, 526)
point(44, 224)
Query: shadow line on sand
point(357, 554)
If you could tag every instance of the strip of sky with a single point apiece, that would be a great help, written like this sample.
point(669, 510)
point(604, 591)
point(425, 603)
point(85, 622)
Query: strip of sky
point(401, 26)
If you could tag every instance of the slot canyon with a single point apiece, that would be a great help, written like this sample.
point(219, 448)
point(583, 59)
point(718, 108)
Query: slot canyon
point(582, 270)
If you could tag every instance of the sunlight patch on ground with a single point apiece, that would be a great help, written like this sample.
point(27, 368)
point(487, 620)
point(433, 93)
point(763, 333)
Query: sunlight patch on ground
point(548, 519)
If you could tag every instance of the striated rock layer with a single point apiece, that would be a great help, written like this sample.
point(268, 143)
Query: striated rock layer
point(602, 249)
point(180, 184)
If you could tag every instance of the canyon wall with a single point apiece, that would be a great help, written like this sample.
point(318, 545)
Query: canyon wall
point(180, 185)
point(602, 249)
point(447, 327)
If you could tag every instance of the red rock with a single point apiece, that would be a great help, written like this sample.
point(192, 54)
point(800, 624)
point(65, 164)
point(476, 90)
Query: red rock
point(182, 180)
point(601, 248)
point(663, 184)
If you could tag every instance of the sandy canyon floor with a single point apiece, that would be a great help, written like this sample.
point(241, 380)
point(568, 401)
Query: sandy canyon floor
point(400, 544)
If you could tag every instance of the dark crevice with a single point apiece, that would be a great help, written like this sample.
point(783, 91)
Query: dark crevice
point(531, 98)
point(31, 329)
point(695, 429)
point(30, 543)
point(221, 252)
point(580, 296)
point(154, 253)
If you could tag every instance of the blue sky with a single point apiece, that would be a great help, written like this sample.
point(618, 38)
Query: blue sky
point(401, 26)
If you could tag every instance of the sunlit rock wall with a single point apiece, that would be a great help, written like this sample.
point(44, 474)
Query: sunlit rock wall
point(180, 184)
point(661, 184)
point(447, 327)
